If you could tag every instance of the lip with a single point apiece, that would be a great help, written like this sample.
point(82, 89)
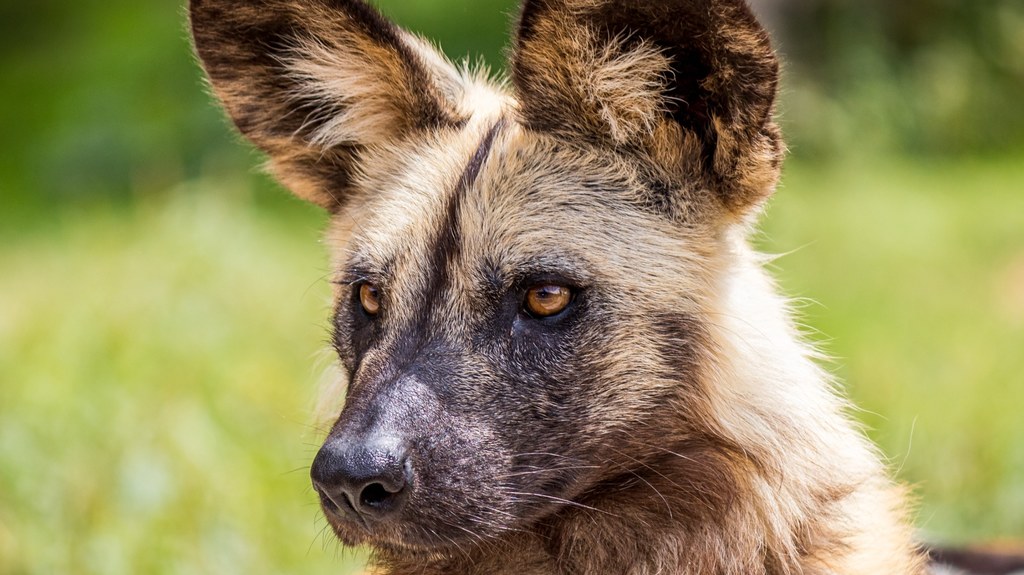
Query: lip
point(353, 531)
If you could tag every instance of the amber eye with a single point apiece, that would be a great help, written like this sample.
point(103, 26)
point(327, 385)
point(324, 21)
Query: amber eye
point(369, 297)
point(547, 300)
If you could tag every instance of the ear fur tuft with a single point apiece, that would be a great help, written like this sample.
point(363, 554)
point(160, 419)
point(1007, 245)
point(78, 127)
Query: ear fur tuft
point(313, 82)
point(614, 72)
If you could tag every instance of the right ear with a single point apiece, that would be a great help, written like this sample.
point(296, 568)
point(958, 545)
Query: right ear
point(691, 84)
point(314, 82)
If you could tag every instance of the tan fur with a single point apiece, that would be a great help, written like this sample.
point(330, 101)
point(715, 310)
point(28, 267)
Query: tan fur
point(617, 92)
point(714, 443)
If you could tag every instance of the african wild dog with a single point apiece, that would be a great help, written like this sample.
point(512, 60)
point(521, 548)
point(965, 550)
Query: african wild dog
point(562, 354)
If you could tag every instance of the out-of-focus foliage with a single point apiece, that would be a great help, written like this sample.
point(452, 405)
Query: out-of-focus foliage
point(102, 97)
point(918, 76)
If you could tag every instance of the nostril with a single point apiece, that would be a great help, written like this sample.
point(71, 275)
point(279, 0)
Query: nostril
point(375, 496)
point(325, 499)
point(335, 500)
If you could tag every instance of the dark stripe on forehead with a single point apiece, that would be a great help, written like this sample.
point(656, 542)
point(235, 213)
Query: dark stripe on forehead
point(449, 234)
point(446, 247)
point(414, 337)
point(472, 170)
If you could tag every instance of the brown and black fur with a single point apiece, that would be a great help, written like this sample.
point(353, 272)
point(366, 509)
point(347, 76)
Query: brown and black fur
point(669, 420)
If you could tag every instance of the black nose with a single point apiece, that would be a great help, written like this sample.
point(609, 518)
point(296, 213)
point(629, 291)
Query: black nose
point(367, 480)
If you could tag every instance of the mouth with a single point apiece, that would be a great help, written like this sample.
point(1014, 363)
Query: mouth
point(399, 537)
point(424, 527)
point(440, 514)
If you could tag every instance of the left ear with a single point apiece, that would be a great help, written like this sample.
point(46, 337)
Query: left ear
point(314, 83)
point(689, 84)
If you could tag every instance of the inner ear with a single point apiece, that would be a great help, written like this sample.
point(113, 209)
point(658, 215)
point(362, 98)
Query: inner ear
point(689, 83)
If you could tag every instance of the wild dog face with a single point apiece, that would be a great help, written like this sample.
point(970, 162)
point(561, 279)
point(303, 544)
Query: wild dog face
point(523, 277)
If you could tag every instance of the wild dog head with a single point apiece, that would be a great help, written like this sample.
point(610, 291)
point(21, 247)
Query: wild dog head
point(523, 272)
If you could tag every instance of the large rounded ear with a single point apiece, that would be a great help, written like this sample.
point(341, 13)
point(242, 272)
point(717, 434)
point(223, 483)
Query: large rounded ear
point(313, 82)
point(689, 84)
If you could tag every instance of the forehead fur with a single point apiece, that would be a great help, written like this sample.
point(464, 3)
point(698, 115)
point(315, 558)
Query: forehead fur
point(538, 204)
point(403, 191)
point(539, 197)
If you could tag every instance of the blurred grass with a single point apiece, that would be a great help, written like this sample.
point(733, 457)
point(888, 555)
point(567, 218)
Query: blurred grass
point(158, 361)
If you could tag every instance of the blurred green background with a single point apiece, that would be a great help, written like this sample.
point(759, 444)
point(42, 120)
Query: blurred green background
point(163, 305)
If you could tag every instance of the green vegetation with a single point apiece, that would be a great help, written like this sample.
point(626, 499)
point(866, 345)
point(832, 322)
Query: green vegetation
point(931, 77)
point(102, 97)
